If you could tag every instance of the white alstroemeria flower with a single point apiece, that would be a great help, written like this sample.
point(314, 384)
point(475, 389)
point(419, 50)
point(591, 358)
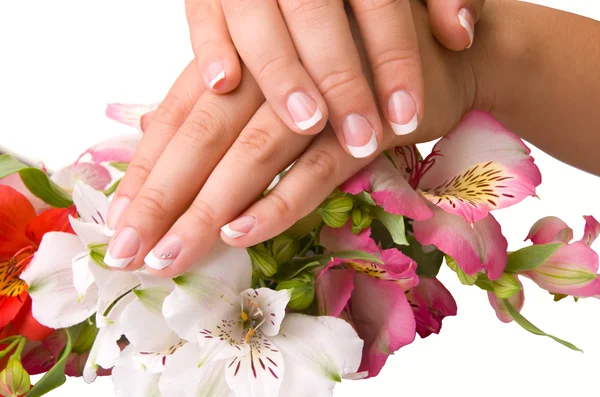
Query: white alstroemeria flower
point(243, 344)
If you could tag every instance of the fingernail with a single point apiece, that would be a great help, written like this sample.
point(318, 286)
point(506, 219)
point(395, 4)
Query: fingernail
point(240, 227)
point(215, 73)
point(360, 136)
point(403, 113)
point(116, 210)
point(164, 253)
point(468, 22)
point(303, 110)
point(123, 248)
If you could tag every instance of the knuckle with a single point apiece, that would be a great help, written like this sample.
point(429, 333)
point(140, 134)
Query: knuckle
point(202, 215)
point(273, 65)
point(279, 204)
point(303, 6)
point(152, 202)
point(338, 82)
point(374, 5)
point(202, 128)
point(169, 111)
point(319, 164)
point(199, 10)
point(139, 169)
point(257, 144)
point(403, 56)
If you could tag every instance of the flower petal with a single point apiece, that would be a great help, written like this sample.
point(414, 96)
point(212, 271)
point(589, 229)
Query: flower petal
point(592, 230)
point(333, 290)
point(10, 306)
point(549, 230)
point(389, 189)
point(431, 302)
point(89, 233)
point(15, 213)
point(571, 270)
point(119, 149)
point(318, 352)
point(383, 318)
point(407, 161)
point(131, 376)
point(478, 139)
point(94, 175)
point(474, 247)
point(272, 304)
point(15, 181)
point(517, 301)
point(91, 204)
point(128, 114)
point(183, 377)
point(50, 280)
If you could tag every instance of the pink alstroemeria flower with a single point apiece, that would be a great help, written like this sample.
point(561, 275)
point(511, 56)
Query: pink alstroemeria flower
point(370, 296)
point(572, 269)
point(517, 301)
point(431, 303)
point(478, 167)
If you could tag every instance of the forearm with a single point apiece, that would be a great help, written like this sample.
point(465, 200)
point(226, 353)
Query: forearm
point(537, 72)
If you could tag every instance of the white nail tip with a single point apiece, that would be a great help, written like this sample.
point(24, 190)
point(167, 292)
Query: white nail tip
point(156, 263)
point(118, 263)
point(231, 233)
point(366, 150)
point(306, 124)
point(404, 129)
point(108, 231)
point(465, 24)
point(219, 77)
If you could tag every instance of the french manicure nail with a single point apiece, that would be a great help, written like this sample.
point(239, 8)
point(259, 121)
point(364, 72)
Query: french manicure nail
point(303, 110)
point(116, 210)
point(402, 113)
point(215, 73)
point(164, 253)
point(360, 136)
point(123, 248)
point(467, 21)
point(240, 227)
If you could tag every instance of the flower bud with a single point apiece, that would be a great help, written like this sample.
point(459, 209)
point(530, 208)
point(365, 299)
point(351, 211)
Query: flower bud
point(506, 286)
point(303, 291)
point(14, 380)
point(285, 248)
point(361, 219)
point(336, 211)
point(263, 262)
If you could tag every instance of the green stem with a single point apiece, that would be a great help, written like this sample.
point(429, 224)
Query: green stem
point(307, 246)
point(4, 352)
point(19, 351)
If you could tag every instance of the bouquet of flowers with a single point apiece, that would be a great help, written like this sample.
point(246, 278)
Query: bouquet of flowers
point(329, 299)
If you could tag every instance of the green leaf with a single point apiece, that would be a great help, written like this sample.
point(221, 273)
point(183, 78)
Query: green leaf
point(529, 258)
point(112, 188)
point(463, 277)
point(38, 183)
point(9, 165)
point(56, 376)
point(429, 259)
point(324, 259)
point(523, 322)
point(394, 224)
point(120, 166)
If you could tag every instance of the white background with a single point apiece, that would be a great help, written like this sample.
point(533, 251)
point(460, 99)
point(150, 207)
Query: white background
point(62, 61)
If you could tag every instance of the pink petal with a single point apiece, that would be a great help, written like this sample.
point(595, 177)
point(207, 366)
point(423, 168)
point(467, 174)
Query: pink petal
point(389, 189)
point(475, 191)
point(431, 302)
point(517, 301)
point(383, 319)
point(550, 230)
point(128, 114)
point(94, 175)
point(342, 239)
point(118, 149)
point(478, 139)
point(592, 230)
point(333, 290)
point(407, 161)
point(474, 247)
point(571, 270)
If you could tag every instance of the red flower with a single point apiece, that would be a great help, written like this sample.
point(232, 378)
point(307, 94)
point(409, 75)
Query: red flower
point(21, 232)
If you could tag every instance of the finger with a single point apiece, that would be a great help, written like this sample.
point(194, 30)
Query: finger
point(392, 50)
point(146, 120)
point(261, 37)
point(178, 175)
point(266, 146)
point(323, 38)
point(453, 21)
point(165, 122)
point(216, 56)
point(322, 168)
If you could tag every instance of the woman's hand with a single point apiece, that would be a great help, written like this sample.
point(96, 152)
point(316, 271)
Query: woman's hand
point(302, 55)
point(206, 158)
